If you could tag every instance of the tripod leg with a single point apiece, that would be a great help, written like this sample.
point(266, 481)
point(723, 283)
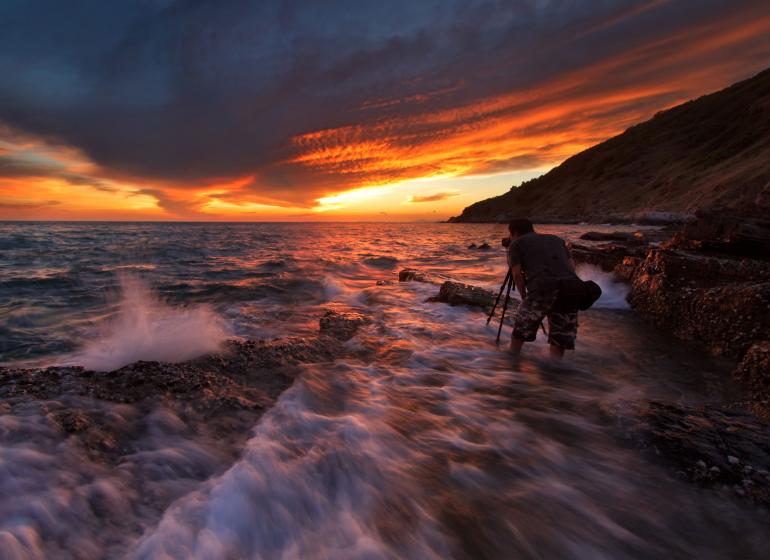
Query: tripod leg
point(491, 313)
point(505, 306)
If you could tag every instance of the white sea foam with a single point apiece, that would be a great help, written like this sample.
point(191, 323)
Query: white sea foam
point(613, 293)
point(147, 328)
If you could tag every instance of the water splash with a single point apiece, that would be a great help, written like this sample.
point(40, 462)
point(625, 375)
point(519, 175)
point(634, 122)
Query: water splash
point(146, 328)
point(613, 293)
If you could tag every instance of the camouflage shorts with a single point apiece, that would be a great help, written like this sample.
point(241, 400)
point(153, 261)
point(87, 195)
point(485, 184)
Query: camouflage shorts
point(562, 327)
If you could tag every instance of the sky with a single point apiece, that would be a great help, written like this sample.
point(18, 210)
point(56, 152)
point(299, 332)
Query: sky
point(335, 110)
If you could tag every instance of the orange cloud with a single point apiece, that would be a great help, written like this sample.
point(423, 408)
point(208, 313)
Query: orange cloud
point(454, 131)
point(415, 198)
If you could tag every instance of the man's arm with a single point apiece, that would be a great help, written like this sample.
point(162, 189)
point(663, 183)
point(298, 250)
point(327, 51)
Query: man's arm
point(518, 279)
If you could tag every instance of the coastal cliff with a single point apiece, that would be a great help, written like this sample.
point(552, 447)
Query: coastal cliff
point(711, 152)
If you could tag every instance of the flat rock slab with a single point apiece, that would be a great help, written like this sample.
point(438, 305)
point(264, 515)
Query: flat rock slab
point(456, 293)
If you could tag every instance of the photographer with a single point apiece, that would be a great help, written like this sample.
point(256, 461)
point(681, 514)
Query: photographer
point(541, 265)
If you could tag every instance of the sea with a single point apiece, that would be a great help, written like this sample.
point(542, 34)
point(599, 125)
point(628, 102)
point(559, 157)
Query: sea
point(326, 473)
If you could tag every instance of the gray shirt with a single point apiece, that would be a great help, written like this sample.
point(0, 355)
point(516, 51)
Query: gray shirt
point(544, 259)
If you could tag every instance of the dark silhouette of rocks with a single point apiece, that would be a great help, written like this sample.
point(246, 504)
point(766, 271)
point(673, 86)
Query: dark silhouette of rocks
point(612, 236)
point(720, 233)
point(706, 153)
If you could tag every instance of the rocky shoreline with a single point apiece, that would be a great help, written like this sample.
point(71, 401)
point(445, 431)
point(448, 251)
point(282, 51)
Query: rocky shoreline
point(707, 283)
point(127, 443)
point(678, 281)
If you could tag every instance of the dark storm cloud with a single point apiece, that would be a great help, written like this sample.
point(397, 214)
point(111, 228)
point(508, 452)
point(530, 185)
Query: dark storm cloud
point(196, 91)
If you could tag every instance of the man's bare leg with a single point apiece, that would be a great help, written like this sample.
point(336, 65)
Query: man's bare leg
point(516, 345)
point(556, 351)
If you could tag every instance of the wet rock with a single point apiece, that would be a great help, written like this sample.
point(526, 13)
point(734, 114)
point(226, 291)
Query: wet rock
point(722, 304)
point(229, 390)
point(456, 293)
point(472, 246)
point(611, 236)
point(484, 246)
point(607, 256)
point(722, 233)
point(625, 271)
point(709, 445)
point(754, 371)
point(412, 275)
point(341, 325)
point(71, 421)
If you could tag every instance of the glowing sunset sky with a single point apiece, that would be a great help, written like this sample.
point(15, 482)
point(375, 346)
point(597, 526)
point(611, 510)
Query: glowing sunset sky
point(306, 110)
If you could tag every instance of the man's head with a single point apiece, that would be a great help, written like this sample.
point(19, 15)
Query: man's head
point(519, 227)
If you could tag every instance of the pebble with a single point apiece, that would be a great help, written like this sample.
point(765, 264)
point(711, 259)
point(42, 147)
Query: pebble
point(701, 465)
point(732, 460)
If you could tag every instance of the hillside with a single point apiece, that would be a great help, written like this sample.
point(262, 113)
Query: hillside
point(710, 152)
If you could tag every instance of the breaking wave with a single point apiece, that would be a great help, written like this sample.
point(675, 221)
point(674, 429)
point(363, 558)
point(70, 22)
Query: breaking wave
point(613, 293)
point(146, 328)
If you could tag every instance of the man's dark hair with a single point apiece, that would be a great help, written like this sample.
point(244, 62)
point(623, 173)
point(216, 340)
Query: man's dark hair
point(520, 226)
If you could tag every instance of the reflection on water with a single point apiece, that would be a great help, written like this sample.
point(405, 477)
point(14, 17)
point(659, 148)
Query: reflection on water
point(428, 441)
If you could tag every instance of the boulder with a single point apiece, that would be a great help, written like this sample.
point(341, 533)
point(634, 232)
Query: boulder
point(412, 275)
point(456, 293)
point(484, 246)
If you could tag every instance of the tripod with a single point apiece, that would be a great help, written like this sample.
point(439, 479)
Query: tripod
point(509, 281)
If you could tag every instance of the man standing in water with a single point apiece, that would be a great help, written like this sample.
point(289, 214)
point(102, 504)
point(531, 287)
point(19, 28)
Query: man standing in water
point(538, 262)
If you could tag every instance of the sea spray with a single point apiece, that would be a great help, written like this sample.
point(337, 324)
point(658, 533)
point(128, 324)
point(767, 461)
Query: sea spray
point(613, 293)
point(146, 328)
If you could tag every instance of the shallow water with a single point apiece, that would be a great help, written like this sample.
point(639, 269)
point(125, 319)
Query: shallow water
point(428, 442)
